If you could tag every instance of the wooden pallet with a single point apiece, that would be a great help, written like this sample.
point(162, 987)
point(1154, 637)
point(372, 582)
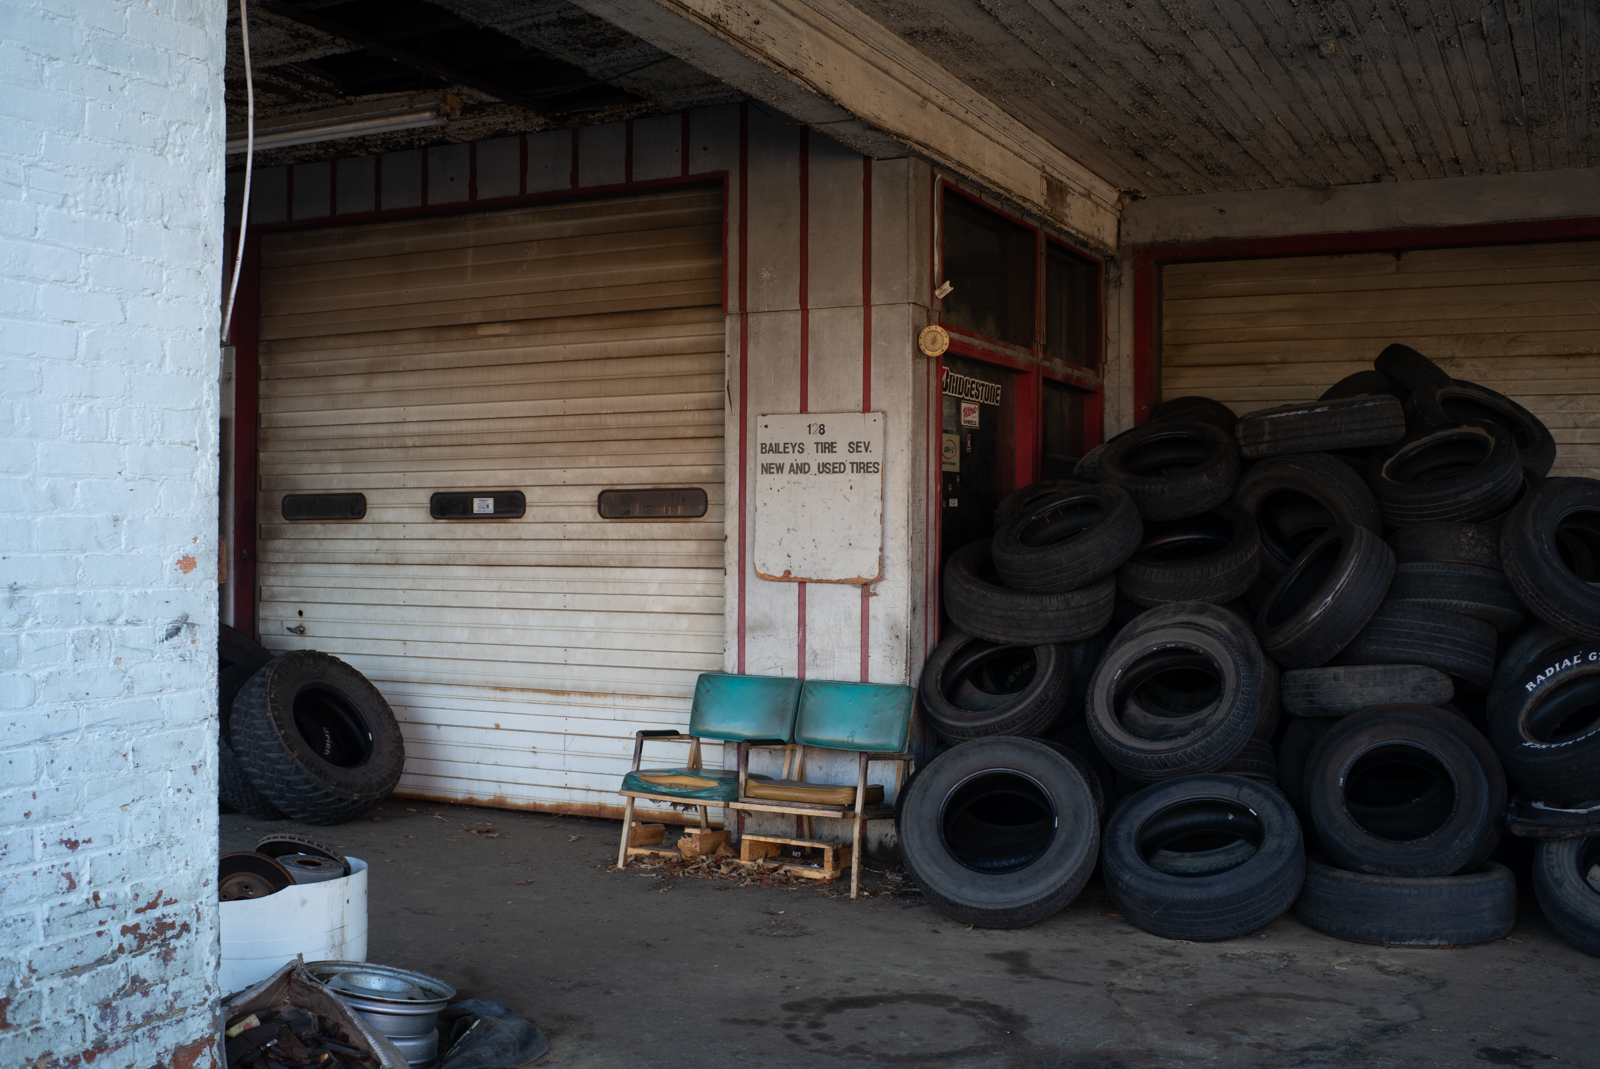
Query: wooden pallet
point(765, 850)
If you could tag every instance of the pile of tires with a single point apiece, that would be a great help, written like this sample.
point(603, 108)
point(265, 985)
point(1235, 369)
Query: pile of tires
point(1390, 566)
point(302, 735)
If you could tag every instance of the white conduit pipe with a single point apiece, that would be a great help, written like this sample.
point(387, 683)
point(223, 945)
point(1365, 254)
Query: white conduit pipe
point(249, 163)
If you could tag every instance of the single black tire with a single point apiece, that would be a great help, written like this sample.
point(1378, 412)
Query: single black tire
point(1445, 542)
point(1087, 469)
point(1551, 549)
point(1467, 472)
point(1411, 369)
point(1300, 739)
point(316, 738)
point(1295, 499)
point(1473, 907)
point(1482, 593)
point(1393, 760)
point(236, 647)
point(1213, 557)
point(1196, 410)
point(1363, 383)
point(1546, 726)
point(982, 607)
point(1406, 633)
point(971, 688)
point(1067, 540)
point(1570, 902)
point(1326, 597)
point(1172, 468)
point(1018, 500)
point(1533, 645)
point(999, 832)
point(234, 788)
point(1200, 741)
point(1230, 623)
point(1459, 402)
point(1313, 426)
point(1344, 689)
point(1204, 812)
point(1271, 700)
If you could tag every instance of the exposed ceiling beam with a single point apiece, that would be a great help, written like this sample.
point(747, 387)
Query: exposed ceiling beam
point(826, 63)
point(295, 13)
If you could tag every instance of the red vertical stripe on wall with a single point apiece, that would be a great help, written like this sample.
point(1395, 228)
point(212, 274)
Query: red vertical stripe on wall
point(744, 361)
point(805, 347)
point(866, 372)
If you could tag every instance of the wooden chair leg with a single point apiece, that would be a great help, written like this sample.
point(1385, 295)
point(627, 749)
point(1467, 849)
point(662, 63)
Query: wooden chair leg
point(705, 819)
point(855, 834)
point(627, 828)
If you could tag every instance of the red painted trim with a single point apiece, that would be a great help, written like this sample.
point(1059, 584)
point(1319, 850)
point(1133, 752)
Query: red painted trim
point(744, 364)
point(800, 615)
point(472, 170)
point(627, 151)
point(246, 407)
point(683, 150)
point(978, 347)
point(522, 164)
point(1149, 259)
point(333, 187)
point(804, 239)
point(866, 375)
point(424, 176)
point(377, 183)
point(572, 179)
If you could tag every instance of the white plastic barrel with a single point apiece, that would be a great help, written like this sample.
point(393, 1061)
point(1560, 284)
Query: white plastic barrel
point(323, 921)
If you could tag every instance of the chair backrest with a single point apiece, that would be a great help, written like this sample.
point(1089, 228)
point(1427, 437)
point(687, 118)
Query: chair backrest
point(744, 708)
point(854, 716)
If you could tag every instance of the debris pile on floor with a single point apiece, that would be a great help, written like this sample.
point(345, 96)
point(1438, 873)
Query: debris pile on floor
point(290, 1036)
point(1389, 565)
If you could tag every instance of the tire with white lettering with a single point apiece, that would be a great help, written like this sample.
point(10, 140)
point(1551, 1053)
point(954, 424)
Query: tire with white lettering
point(980, 605)
point(971, 688)
point(234, 788)
point(1467, 472)
point(1189, 816)
point(1314, 426)
point(1340, 690)
point(1197, 410)
point(1570, 902)
point(1535, 644)
point(1405, 790)
point(999, 832)
point(1213, 557)
point(1326, 597)
point(1172, 468)
point(1458, 910)
point(1068, 539)
point(1458, 402)
point(1445, 542)
point(1546, 726)
point(316, 738)
point(1482, 593)
point(1294, 499)
point(1407, 633)
point(1411, 369)
point(1551, 548)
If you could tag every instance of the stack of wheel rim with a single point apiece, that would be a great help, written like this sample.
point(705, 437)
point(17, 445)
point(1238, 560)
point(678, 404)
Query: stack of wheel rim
point(1390, 564)
point(303, 735)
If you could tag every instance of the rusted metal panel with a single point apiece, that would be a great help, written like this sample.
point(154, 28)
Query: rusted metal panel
point(558, 352)
point(1523, 320)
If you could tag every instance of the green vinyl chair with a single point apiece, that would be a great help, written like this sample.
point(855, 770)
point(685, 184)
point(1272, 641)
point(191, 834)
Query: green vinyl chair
point(728, 708)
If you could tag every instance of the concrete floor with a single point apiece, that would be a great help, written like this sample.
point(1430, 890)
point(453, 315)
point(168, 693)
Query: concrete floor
point(627, 969)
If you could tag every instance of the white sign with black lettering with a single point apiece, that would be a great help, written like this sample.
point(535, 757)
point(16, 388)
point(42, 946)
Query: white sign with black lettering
point(819, 497)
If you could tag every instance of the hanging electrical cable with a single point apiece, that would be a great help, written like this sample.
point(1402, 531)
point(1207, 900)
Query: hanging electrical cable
point(249, 164)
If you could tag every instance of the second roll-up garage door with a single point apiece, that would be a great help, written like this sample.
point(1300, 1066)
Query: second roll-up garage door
point(556, 352)
point(1522, 319)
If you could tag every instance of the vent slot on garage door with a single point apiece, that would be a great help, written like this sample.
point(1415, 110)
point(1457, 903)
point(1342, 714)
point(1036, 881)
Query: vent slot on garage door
point(1523, 320)
point(544, 354)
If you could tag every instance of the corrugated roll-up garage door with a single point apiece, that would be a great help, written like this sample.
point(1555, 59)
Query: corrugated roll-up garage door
point(557, 351)
point(1523, 320)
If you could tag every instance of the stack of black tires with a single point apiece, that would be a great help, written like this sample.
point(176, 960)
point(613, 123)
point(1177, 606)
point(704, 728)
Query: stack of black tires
point(1390, 566)
point(303, 735)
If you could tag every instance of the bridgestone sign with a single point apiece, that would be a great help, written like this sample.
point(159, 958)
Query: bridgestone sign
point(819, 497)
point(970, 389)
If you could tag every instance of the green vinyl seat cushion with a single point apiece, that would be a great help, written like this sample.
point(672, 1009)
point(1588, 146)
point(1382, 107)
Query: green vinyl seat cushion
point(854, 716)
point(744, 708)
point(694, 784)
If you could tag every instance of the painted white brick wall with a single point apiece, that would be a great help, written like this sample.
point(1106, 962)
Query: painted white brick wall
point(111, 191)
